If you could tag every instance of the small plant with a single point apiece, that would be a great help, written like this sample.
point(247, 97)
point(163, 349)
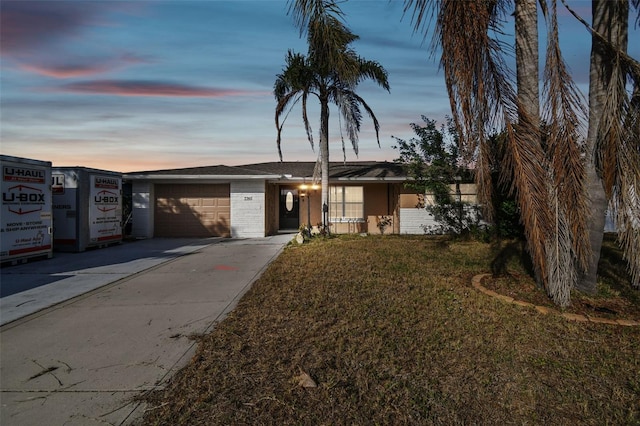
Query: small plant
point(305, 231)
point(323, 231)
point(384, 222)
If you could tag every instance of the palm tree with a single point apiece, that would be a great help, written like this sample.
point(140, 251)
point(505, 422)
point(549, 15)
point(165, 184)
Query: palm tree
point(548, 178)
point(331, 72)
point(613, 138)
point(553, 206)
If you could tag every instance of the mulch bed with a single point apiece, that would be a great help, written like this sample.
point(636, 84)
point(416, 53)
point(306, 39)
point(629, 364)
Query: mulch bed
point(611, 304)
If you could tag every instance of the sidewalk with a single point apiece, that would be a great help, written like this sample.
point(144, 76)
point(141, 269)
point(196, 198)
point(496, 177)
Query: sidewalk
point(83, 361)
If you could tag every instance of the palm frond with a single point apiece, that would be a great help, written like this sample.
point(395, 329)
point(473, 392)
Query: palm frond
point(350, 114)
point(374, 119)
point(565, 115)
point(290, 98)
point(344, 148)
point(622, 183)
point(373, 71)
point(631, 64)
point(562, 277)
point(328, 40)
point(420, 16)
point(306, 11)
point(617, 147)
point(305, 119)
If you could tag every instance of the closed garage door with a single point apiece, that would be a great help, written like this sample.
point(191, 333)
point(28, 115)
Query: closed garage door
point(197, 210)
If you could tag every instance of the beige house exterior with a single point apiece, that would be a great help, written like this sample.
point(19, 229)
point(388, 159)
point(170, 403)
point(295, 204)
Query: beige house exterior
point(258, 200)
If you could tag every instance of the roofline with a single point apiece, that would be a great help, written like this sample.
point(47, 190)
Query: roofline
point(371, 179)
point(278, 178)
point(302, 179)
point(196, 177)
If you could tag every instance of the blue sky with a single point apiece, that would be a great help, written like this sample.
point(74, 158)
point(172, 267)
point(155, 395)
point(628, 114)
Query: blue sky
point(144, 85)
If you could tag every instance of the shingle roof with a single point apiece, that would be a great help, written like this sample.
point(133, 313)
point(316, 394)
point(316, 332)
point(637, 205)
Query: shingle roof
point(351, 169)
point(300, 169)
point(219, 170)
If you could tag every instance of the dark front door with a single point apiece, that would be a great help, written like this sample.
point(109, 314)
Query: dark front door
point(289, 208)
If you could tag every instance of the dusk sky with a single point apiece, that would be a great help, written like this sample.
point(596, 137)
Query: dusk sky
point(145, 85)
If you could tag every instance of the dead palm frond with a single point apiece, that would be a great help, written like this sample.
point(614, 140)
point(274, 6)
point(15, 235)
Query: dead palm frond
point(482, 100)
point(620, 143)
point(564, 116)
point(616, 152)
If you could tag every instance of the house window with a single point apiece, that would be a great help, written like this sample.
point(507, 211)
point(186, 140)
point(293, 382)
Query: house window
point(346, 203)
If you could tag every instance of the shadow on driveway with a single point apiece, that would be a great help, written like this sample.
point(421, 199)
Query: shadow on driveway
point(67, 275)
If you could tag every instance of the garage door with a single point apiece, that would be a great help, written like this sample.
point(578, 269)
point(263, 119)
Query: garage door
point(197, 210)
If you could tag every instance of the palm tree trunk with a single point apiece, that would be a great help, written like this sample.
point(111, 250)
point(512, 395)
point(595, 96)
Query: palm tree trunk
point(324, 156)
point(606, 23)
point(527, 61)
point(527, 80)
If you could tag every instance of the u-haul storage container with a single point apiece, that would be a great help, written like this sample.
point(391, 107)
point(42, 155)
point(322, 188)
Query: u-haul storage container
point(87, 208)
point(26, 208)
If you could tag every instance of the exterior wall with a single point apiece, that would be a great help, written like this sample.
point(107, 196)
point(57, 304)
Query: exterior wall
point(248, 216)
point(143, 207)
point(380, 202)
point(271, 206)
point(414, 218)
point(349, 227)
point(313, 202)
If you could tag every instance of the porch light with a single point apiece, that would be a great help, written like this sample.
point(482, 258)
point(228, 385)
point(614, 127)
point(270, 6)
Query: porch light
point(305, 192)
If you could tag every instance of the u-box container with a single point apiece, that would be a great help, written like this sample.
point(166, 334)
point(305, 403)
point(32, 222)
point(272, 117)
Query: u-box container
point(26, 209)
point(87, 208)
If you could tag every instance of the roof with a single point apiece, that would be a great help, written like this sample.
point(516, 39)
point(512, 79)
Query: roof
point(286, 169)
point(203, 170)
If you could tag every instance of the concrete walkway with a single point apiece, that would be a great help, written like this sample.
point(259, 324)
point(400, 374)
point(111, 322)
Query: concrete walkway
point(83, 361)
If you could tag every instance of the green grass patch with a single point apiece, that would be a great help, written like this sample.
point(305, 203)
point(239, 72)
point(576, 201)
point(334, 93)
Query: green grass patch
point(392, 332)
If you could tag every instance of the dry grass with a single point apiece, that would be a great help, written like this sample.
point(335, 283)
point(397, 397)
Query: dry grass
point(392, 332)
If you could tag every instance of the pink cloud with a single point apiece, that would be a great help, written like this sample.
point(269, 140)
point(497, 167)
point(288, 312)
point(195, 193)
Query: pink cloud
point(80, 69)
point(65, 71)
point(149, 88)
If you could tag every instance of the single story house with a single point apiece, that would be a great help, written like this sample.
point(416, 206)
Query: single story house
point(257, 200)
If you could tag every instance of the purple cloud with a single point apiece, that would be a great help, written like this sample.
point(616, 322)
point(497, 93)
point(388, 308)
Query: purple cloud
point(26, 26)
point(149, 88)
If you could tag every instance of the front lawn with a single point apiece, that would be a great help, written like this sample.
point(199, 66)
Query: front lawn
point(390, 331)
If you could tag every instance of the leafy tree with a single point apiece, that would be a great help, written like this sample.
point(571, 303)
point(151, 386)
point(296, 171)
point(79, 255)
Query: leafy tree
point(330, 71)
point(432, 160)
point(434, 163)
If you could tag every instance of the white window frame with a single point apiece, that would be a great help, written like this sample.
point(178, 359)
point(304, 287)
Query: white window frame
point(343, 205)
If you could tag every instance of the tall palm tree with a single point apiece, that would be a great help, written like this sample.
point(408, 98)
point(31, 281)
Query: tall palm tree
point(613, 138)
point(330, 71)
point(553, 204)
point(548, 177)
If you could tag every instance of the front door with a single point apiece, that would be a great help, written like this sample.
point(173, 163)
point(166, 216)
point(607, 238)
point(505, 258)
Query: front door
point(289, 208)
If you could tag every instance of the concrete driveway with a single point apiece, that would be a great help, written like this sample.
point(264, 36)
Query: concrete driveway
point(84, 360)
